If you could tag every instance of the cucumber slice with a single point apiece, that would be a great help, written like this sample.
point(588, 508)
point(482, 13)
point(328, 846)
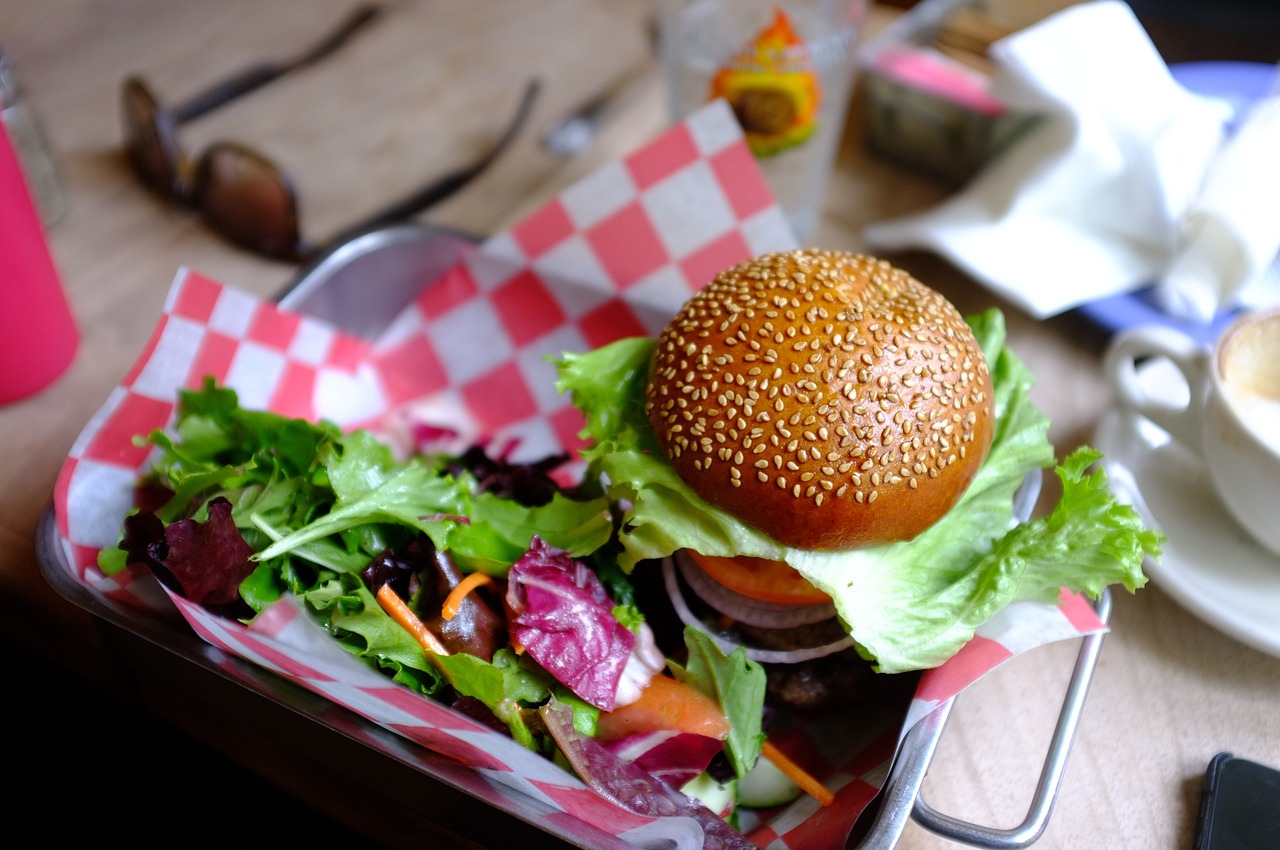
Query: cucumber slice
point(710, 793)
point(765, 786)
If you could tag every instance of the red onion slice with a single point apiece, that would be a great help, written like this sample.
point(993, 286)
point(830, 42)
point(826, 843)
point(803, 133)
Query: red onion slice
point(763, 656)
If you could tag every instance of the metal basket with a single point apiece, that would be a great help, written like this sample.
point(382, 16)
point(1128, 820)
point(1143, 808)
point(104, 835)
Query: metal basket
point(389, 784)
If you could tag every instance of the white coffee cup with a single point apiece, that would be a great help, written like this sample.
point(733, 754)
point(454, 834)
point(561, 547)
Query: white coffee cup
point(1233, 418)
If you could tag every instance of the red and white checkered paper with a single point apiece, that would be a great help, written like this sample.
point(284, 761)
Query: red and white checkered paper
point(615, 255)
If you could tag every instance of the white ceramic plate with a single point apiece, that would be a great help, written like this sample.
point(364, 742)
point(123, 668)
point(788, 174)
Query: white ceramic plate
point(1208, 565)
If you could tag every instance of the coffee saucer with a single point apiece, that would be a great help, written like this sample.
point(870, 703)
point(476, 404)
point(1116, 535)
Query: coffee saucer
point(1208, 565)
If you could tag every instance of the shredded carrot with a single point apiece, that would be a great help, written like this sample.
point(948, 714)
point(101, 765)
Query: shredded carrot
point(453, 601)
point(797, 774)
point(403, 614)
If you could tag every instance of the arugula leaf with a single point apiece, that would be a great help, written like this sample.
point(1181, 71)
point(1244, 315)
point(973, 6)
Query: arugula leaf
point(414, 495)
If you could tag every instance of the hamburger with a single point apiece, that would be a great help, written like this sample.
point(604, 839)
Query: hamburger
point(821, 456)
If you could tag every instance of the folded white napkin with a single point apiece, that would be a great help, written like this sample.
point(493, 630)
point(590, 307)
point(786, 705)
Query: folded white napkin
point(1124, 178)
point(1230, 253)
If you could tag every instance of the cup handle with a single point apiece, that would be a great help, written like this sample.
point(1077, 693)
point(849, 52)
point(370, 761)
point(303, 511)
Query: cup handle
point(1191, 359)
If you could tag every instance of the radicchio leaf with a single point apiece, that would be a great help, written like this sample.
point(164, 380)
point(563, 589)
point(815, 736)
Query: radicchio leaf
point(530, 484)
point(477, 710)
point(560, 613)
point(205, 562)
point(628, 786)
point(674, 757)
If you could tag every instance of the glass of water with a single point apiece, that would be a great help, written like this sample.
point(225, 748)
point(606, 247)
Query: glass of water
point(785, 67)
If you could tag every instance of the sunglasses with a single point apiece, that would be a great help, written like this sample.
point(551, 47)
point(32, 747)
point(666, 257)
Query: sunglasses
point(241, 194)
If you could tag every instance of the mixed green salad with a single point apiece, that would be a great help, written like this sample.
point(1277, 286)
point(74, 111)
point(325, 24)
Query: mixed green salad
point(524, 590)
point(243, 507)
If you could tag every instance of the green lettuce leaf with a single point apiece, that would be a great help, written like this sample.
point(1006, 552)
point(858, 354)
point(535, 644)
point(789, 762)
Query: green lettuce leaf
point(908, 605)
point(351, 613)
point(317, 504)
point(371, 490)
point(735, 682)
point(504, 685)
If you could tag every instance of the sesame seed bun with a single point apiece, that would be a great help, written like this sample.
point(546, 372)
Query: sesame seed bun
point(828, 399)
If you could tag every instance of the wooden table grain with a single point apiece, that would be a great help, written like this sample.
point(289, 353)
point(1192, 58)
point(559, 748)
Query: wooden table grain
point(425, 88)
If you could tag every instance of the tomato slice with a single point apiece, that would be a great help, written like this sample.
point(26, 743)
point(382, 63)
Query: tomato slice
point(760, 578)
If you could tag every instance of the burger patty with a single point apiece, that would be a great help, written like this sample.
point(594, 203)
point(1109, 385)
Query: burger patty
point(796, 637)
point(825, 682)
point(834, 680)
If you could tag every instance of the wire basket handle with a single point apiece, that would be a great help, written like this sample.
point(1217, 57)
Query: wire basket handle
point(1051, 774)
point(901, 799)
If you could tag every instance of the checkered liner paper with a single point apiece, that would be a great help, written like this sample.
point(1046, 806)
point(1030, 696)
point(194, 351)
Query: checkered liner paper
point(614, 256)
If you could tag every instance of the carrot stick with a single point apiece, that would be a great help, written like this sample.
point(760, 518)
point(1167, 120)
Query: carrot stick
point(797, 774)
point(403, 614)
point(453, 601)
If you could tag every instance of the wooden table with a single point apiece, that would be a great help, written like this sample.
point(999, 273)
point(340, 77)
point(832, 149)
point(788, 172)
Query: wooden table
point(426, 88)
